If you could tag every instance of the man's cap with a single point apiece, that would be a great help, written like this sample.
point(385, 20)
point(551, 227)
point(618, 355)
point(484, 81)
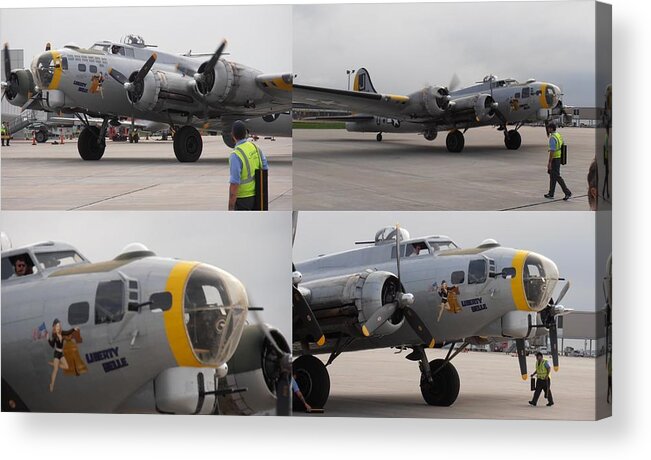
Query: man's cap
point(239, 129)
point(552, 126)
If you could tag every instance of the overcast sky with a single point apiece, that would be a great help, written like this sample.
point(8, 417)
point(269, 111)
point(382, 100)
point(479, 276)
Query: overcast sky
point(565, 238)
point(407, 46)
point(255, 247)
point(258, 36)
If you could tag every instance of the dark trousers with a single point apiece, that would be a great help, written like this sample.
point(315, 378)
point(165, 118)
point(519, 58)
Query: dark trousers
point(555, 176)
point(546, 386)
point(245, 204)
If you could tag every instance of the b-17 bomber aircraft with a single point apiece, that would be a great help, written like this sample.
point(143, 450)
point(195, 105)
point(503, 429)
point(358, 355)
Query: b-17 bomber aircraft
point(135, 334)
point(491, 102)
point(390, 294)
point(112, 80)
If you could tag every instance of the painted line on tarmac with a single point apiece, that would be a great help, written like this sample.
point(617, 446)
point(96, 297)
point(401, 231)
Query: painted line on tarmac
point(542, 202)
point(112, 197)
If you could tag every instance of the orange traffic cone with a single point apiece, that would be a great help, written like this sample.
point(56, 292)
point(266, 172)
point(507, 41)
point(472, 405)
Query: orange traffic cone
point(61, 139)
point(33, 138)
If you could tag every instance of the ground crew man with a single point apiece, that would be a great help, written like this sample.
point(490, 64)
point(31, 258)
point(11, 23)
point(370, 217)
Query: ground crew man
point(554, 163)
point(5, 134)
point(543, 382)
point(243, 162)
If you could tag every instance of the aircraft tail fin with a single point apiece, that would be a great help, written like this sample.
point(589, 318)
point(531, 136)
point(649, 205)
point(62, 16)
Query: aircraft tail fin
point(363, 82)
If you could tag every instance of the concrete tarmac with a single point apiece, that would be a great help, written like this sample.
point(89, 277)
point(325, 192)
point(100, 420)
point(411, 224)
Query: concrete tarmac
point(379, 383)
point(142, 176)
point(338, 170)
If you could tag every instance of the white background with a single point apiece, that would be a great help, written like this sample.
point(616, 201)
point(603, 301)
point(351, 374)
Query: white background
point(625, 435)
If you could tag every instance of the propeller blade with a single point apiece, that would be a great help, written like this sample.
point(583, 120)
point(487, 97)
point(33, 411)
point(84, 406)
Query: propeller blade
point(146, 68)
point(7, 62)
point(454, 83)
point(379, 318)
point(215, 57)
point(307, 316)
point(553, 340)
point(118, 76)
point(398, 252)
point(419, 327)
point(522, 358)
point(563, 292)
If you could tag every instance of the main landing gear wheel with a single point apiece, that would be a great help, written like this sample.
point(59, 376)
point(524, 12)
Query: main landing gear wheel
point(313, 380)
point(378, 137)
point(455, 141)
point(41, 136)
point(187, 144)
point(512, 140)
point(228, 139)
point(89, 145)
point(444, 389)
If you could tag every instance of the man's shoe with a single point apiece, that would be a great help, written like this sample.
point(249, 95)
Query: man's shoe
point(532, 403)
point(550, 404)
point(567, 196)
point(547, 195)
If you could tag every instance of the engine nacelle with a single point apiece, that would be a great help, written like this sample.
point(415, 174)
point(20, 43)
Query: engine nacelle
point(367, 291)
point(20, 87)
point(217, 83)
point(254, 366)
point(483, 106)
point(519, 324)
point(436, 100)
point(182, 390)
point(145, 94)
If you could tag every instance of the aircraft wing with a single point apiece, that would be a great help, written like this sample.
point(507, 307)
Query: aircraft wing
point(341, 118)
point(276, 84)
point(354, 101)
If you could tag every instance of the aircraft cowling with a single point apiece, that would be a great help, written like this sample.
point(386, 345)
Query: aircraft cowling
point(20, 87)
point(145, 96)
point(218, 84)
point(254, 366)
point(368, 291)
point(481, 104)
point(436, 100)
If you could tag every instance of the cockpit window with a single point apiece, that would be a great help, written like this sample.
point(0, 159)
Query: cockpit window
point(17, 266)
point(109, 302)
point(215, 311)
point(58, 259)
point(441, 245)
point(477, 271)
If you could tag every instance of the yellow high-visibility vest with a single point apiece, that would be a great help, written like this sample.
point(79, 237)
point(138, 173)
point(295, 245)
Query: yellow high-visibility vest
point(541, 370)
point(559, 144)
point(249, 155)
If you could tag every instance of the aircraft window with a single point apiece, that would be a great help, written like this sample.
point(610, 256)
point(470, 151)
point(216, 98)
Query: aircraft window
point(109, 302)
point(81, 67)
point(45, 69)
point(442, 245)
point(17, 265)
point(517, 95)
point(78, 313)
point(64, 63)
point(458, 277)
point(58, 259)
point(214, 312)
point(477, 271)
point(414, 249)
point(92, 68)
point(525, 92)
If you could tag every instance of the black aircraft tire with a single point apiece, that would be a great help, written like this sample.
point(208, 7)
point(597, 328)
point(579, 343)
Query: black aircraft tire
point(41, 136)
point(228, 139)
point(444, 389)
point(378, 137)
point(188, 144)
point(512, 140)
point(430, 135)
point(455, 141)
point(88, 146)
point(313, 380)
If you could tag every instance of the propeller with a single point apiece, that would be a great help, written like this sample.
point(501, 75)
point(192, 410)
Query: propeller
point(205, 76)
point(10, 84)
point(299, 303)
point(279, 363)
point(548, 315)
point(135, 84)
point(454, 83)
point(402, 301)
point(522, 358)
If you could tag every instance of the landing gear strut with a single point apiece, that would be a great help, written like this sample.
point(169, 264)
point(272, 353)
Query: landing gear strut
point(454, 141)
point(313, 380)
point(439, 379)
point(378, 137)
point(92, 141)
point(187, 144)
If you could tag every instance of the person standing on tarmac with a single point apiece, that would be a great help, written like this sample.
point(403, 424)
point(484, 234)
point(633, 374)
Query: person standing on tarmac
point(554, 163)
point(5, 134)
point(243, 162)
point(543, 382)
